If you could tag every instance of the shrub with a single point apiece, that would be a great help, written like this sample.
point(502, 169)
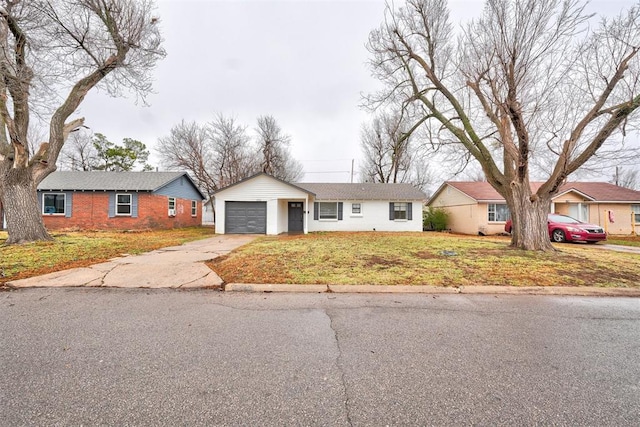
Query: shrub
point(435, 219)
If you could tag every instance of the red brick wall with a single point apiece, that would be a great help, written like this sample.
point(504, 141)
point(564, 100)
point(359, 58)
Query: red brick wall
point(90, 211)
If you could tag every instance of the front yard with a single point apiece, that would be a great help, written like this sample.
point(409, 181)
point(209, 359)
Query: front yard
point(79, 249)
point(422, 259)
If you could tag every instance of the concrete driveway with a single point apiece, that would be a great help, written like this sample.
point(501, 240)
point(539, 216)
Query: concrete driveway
point(173, 267)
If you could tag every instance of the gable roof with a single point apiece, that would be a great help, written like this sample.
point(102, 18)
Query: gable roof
point(601, 191)
point(111, 181)
point(268, 176)
point(482, 191)
point(363, 191)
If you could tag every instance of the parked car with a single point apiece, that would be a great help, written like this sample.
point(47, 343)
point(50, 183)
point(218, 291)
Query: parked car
point(563, 228)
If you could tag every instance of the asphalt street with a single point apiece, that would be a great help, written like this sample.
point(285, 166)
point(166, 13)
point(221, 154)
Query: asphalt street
point(169, 357)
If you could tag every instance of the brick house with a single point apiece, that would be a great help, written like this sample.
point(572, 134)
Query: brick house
point(119, 200)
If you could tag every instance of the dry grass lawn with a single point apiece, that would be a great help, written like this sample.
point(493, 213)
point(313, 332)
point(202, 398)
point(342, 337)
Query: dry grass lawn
point(79, 249)
point(422, 259)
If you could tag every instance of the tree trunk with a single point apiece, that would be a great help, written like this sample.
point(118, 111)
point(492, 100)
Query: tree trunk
point(529, 216)
point(19, 198)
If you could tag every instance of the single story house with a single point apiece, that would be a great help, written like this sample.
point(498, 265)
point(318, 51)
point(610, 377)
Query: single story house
point(119, 200)
point(476, 207)
point(266, 205)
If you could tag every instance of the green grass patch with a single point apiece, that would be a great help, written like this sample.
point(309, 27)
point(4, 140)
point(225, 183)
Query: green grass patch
point(624, 240)
point(422, 259)
point(79, 249)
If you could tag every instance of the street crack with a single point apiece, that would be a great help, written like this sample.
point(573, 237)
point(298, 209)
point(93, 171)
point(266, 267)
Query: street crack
point(339, 365)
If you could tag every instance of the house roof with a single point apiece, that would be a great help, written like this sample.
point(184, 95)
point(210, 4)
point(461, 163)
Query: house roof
point(267, 175)
point(110, 181)
point(602, 191)
point(348, 191)
point(363, 191)
point(594, 191)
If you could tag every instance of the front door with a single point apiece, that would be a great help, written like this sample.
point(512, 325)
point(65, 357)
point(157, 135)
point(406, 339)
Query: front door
point(296, 222)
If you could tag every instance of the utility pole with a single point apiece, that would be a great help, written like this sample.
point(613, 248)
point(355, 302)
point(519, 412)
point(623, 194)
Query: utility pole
point(352, 161)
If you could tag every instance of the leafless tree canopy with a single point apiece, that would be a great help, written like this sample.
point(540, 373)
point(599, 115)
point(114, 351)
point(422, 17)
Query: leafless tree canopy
point(52, 53)
point(274, 145)
point(390, 154)
point(78, 153)
point(529, 82)
point(221, 152)
point(628, 178)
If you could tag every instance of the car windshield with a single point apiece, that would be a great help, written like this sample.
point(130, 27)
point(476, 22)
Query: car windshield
point(563, 219)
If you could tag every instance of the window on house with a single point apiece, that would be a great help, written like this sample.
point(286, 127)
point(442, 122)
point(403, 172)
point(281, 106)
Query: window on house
point(636, 213)
point(194, 208)
point(356, 208)
point(498, 212)
point(328, 210)
point(53, 203)
point(123, 204)
point(400, 210)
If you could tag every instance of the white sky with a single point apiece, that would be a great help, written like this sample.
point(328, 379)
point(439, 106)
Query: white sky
point(304, 62)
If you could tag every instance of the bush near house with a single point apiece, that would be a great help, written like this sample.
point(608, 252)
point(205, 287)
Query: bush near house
point(435, 219)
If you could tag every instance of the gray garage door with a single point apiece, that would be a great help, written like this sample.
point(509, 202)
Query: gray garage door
point(245, 217)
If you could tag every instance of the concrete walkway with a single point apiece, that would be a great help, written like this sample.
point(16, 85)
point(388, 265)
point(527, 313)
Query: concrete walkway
point(173, 267)
point(620, 248)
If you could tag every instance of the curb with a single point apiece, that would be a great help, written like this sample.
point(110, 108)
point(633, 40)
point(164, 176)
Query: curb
point(425, 289)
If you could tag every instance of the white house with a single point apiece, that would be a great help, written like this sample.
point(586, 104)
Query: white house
point(263, 204)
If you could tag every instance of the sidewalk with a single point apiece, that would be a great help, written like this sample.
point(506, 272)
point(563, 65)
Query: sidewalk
point(173, 267)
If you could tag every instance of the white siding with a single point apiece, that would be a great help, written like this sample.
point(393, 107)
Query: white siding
point(260, 189)
point(374, 216)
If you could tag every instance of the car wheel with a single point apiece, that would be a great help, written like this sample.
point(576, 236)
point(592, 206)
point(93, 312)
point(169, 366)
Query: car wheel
point(558, 236)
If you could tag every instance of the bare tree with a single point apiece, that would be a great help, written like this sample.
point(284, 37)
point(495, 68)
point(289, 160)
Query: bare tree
point(273, 145)
point(47, 46)
point(78, 153)
point(628, 178)
point(390, 155)
point(528, 79)
point(188, 147)
point(234, 158)
point(221, 152)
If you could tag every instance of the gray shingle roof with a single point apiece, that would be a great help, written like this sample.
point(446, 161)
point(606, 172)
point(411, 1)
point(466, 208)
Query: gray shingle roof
point(364, 191)
point(107, 181)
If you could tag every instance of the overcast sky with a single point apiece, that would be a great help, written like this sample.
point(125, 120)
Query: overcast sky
point(304, 62)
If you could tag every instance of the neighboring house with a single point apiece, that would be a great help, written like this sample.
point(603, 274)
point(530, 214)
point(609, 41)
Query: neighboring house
point(266, 205)
point(476, 207)
point(208, 217)
point(119, 200)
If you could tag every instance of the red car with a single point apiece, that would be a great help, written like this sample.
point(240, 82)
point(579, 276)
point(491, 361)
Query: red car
point(563, 228)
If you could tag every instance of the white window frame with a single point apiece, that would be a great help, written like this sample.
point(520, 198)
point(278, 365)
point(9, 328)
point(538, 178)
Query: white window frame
point(398, 209)
point(494, 212)
point(635, 208)
point(333, 217)
point(118, 204)
point(64, 204)
point(171, 201)
point(359, 208)
point(194, 208)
